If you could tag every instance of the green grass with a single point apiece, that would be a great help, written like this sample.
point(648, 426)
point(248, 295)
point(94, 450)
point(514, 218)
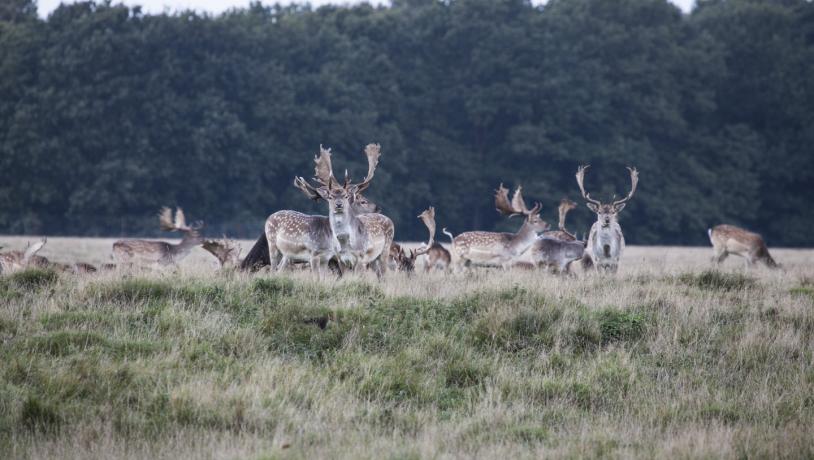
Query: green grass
point(570, 368)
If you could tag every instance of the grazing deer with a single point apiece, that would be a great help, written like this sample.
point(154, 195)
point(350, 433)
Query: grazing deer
point(728, 239)
point(159, 252)
point(358, 239)
point(226, 251)
point(561, 233)
point(13, 261)
point(406, 260)
point(605, 241)
point(496, 248)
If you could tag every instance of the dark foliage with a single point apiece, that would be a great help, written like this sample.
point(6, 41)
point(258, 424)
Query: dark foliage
point(106, 113)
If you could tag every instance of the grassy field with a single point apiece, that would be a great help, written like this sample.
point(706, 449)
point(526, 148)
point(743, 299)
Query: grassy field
point(667, 359)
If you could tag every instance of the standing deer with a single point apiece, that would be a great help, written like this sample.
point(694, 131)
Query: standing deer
point(357, 240)
point(498, 248)
point(605, 241)
point(13, 261)
point(159, 252)
point(728, 239)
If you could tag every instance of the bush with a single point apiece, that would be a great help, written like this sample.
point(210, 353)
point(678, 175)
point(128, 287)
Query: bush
point(714, 280)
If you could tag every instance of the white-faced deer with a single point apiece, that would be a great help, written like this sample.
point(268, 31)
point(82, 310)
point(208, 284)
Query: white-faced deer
point(728, 239)
point(226, 251)
point(13, 261)
point(358, 239)
point(160, 252)
point(605, 241)
point(497, 248)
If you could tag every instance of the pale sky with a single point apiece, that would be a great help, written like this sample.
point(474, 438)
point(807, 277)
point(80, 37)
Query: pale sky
point(217, 6)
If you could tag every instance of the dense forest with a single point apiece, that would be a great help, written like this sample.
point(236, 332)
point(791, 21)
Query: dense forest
point(107, 113)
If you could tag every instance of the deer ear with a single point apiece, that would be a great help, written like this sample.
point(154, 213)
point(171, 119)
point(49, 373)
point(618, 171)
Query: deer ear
point(592, 207)
point(619, 207)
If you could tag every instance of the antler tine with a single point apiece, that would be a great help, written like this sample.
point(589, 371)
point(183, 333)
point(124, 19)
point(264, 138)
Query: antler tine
point(428, 217)
point(535, 210)
point(566, 205)
point(165, 219)
point(580, 180)
point(634, 181)
point(307, 188)
point(373, 152)
point(323, 170)
point(180, 220)
point(518, 203)
point(502, 203)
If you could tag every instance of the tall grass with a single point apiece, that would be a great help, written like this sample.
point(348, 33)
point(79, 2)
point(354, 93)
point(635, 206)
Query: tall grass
point(490, 364)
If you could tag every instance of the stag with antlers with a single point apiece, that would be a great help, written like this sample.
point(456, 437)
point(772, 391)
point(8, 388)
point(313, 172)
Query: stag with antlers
point(226, 251)
point(13, 261)
point(159, 252)
point(495, 248)
point(605, 241)
point(355, 239)
point(405, 260)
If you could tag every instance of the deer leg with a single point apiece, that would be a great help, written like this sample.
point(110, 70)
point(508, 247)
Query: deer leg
point(719, 256)
point(283, 263)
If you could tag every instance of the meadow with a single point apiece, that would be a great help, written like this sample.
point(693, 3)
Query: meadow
point(669, 358)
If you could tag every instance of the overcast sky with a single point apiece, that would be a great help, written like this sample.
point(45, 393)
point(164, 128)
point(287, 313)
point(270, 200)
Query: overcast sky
point(217, 6)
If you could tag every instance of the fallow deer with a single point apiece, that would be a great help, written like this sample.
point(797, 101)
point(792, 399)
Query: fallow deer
point(561, 233)
point(497, 248)
point(406, 259)
point(358, 239)
point(556, 254)
point(227, 252)
point(605, 241)
point(728, 239)
point(13, 261)
point(160, 252)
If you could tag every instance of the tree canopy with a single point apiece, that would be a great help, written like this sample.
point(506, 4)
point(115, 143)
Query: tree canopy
point(107, 113)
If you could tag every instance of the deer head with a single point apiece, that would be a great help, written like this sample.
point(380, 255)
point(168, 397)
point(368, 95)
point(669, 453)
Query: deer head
point(340, 197)
point(517, 206)
point(606, 213)
point(225, 250)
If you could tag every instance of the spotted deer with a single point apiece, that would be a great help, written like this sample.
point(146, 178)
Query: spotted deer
point(14, 261)
point(728, 239)
point(359, 240)
point(145, 252)
point(498, 248)
point(605, 241)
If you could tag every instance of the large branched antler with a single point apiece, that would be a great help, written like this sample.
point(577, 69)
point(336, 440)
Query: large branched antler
point(502, 203)
point(323, 170)
point(518, 202)
point(565, 207)
point(373, 152)
point(32, 250)
point(580, 182)
point(428, 217)
point(634, 181)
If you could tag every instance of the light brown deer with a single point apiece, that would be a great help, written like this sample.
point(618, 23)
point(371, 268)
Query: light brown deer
point(226, 251)
point(728, 239)
point(605, 241)
point(358, 240)
point(498, 248)
point(14, 261)
point(160, 252)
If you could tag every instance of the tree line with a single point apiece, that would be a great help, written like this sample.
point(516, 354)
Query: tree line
point(107, 113)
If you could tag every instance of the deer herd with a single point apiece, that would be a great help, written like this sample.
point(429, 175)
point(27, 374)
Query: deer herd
point(355, 236)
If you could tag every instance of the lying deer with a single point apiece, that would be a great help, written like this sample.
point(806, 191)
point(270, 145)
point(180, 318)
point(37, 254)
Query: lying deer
point(358, 240)
point(605, 241)
point(498, 248)
point(160, 252)
point(405, 260)
point(14, 261)
point(728, 239)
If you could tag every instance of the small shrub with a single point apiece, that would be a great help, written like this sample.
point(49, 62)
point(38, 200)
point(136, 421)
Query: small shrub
point(714, 280)
point(32, 279)
point(615, 325)
point(37, 415)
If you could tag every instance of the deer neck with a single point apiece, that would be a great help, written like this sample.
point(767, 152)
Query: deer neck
point(345, 226)
point(524, 238)
point(187, 243)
